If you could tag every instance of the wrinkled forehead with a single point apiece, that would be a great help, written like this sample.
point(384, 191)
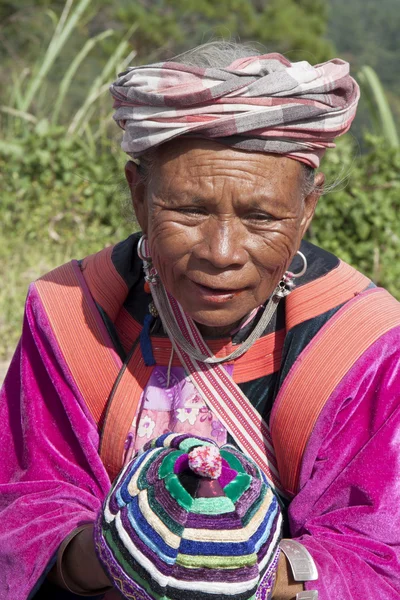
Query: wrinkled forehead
point(191, 165)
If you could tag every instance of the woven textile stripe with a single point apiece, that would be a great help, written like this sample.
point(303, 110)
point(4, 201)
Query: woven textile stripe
point(260, 103)
point(208, 385)
point(254, 416)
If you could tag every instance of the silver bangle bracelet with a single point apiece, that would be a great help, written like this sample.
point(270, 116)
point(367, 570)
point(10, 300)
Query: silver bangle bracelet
point(302, 565)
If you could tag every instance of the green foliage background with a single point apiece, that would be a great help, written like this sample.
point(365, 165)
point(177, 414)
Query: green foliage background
point(63, 194)
point(366, 32)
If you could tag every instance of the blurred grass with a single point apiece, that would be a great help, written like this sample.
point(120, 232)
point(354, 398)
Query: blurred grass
point(58, 201)
point(22, 261)
point(19, 265)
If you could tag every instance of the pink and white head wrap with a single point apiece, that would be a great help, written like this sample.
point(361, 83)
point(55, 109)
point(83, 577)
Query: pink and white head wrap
point(259, 103)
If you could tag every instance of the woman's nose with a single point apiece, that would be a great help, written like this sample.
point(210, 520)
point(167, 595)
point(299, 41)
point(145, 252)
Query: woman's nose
point(223, 243)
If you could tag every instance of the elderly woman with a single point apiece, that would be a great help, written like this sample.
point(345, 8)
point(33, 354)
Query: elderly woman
point(216, 319)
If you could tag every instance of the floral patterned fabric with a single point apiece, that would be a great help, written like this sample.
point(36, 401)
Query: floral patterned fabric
point(175, 406)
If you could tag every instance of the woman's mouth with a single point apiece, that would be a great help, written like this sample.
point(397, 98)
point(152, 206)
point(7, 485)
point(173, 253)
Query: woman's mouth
point(214, 294)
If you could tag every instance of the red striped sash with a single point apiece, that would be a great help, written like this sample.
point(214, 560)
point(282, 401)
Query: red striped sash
point(227, 400)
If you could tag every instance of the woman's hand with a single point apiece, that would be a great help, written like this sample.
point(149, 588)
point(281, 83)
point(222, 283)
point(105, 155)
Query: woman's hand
point(78, 569)
point(286, 587)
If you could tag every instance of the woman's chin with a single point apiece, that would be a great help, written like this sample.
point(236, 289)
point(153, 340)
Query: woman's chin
point(215, 309)
point(216, 322)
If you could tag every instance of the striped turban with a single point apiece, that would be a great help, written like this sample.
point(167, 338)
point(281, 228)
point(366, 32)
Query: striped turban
point(259, 103)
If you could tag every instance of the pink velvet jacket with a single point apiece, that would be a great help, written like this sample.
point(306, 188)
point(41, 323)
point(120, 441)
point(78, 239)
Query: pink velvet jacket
point(346, 511)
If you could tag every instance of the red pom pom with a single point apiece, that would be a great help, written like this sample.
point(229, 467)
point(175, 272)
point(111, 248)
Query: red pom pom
point(147, 287)
point(205, 461)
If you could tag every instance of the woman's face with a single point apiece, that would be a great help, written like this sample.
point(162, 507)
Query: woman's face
point(223, 226)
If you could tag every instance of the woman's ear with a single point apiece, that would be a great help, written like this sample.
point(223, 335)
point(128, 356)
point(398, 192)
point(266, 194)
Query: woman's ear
point(138, 193)
point(311, 201)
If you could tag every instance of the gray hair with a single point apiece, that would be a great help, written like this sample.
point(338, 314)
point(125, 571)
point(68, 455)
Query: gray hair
point(217, 54)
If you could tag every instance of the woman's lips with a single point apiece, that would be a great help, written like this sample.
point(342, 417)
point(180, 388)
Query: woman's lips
point(217, 295)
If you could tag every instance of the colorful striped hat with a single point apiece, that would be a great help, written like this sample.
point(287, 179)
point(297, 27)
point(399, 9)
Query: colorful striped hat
point(187, 520)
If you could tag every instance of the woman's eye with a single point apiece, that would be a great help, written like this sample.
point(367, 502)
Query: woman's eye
point(260, 217)
point(191, 210)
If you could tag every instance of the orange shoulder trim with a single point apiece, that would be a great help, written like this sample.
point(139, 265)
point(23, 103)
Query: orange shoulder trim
point(121, 412)
point(313, 299)
point(90, 357)
point(106, 285)
point(128, 329)
point(81, 336)
point(263, 358)
point(319, 370)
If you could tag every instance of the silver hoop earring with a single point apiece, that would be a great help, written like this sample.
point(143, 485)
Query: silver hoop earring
point(141, 249)
point(286, 284)
point(150, 272)
point(303, 270)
